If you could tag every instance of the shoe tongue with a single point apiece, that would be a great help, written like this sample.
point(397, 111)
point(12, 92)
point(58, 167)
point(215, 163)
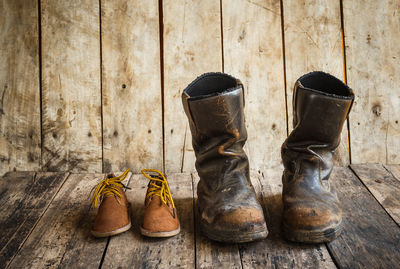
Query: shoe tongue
point(158, 183)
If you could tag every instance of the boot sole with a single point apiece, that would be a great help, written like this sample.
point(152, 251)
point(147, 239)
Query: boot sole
point(149, 233)
point(233, 236)
point(110, 233)
point(306, 236)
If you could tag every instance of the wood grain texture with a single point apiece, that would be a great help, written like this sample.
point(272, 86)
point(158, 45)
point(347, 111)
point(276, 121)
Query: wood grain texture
point(372, 36)
point(394, 169)
point(132, 111)
point(370, 238)
point(62, 236)
point(253, 53)
point(24, 197)
point(275, 252)
point(132, 250)
point(19, 86)
point(211, 254)
point(383, 185)
point(71, 100)
point(313, 42)
point(192, 46)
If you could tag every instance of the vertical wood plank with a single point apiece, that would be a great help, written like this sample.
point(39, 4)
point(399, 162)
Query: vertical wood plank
point(211, 254)
point(253, 53)
point(192, 46)
point(19, 86)
point(132, 250)
point(62, 236)
point(132, 116)
point(275, 252)
point(383, 186)
point(71, 101)
point(313, 41)
point(370, 238)
point(24, 197)
point(372, 38)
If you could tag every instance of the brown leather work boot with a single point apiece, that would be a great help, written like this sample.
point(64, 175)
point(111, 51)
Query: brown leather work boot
point(227, 203)
point(113, 215)
point(160, 217)
point(312, 212)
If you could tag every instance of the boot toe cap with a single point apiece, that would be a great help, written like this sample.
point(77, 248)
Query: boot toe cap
point(242, 218)
point(299, 217)
point(237, 226)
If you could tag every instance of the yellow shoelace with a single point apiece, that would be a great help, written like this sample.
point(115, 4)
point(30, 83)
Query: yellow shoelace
point(108, 186)
point(161, 190)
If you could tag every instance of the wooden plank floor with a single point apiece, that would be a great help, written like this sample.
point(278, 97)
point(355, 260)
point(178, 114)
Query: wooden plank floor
point(45, 221)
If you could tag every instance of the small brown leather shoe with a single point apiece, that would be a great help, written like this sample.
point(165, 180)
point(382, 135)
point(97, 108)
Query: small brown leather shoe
point(113, 214)
point(160, 218)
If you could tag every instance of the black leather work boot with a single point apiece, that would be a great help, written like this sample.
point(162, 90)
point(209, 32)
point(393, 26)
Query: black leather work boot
point(227, 203)
point(312, 211)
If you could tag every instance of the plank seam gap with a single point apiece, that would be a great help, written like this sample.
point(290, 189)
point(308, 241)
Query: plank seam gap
point(34, 177)
point(365, 186)
point(240, 255)
point(161, 37)
point(40, 83)
point(222, 36)
point(284, 66)
point(345, 73)
point(101, 89)
point(104, 253)
point(183, 149)
point(194, 222)
point(66, 176)
point(390, 172)
point(335, 262)
point(263, 206)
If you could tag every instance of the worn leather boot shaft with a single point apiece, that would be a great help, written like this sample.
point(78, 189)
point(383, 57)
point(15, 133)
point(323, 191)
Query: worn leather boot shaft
point(312, 211)
point(229, 210)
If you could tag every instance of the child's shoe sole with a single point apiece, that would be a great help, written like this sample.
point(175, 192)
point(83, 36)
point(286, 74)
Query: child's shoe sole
point(159, 234)
point(110, 233)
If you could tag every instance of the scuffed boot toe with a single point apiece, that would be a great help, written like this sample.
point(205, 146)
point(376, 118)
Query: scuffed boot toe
point(312, 224)
point(239, 226)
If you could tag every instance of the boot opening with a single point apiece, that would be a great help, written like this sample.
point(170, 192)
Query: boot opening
point(211, 84)
point(325, 83)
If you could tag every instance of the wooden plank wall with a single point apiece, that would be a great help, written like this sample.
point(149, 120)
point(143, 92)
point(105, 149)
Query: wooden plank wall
point(94, 86)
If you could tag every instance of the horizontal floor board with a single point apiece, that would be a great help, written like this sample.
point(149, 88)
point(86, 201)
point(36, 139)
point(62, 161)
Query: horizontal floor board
point(370, 237)
point(382, 185)
point(62, 236)
point(24, 196)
